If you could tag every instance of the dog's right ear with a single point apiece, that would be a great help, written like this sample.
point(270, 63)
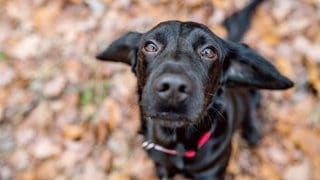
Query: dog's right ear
point(246, 68)
point(123, 49)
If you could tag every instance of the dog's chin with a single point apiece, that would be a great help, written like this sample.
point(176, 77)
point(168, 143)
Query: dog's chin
point(169, 120)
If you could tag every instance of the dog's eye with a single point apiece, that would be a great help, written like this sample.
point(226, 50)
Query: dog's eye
point(209, 53)
point(151, 47)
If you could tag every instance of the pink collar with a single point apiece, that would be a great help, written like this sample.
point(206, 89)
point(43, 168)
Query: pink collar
point(188, 154)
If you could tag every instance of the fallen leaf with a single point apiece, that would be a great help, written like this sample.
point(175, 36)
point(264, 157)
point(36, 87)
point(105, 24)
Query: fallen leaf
point(139, 162)
point(7, 74)
point(75, 151)
point(271, 38)
point(277, 155)
point(1, 113)
point(243, 177)
point(267, 171)
point(47, 170)
point(20, 159)
point(308, 142)
point(314, 74)
point(281, 9)
point(44, 17)
point(219, 30)
point(25, 48)
point(6, 172)
point(45, 148)
point(41, 116)
point(101, 130)
point(76, 1)
point(73, 70)
point(298, 171)
point(123, 86)
point(306, 47)
point(106, 160)
point(118, 176)
point(7, 143)
point(54, 87)
point(283, 128)
point(26, 175)
point(91, 171)
point(110, 114)
point(285, 67)
point(73, 131)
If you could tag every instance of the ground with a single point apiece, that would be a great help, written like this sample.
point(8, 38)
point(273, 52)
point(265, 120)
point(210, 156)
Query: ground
point(64, 115)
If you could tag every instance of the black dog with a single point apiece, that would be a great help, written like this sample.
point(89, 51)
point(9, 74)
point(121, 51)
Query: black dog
point(194, 90)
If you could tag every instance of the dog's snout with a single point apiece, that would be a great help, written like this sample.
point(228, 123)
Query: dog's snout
point(172, 88)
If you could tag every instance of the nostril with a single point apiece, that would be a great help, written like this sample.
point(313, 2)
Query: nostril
point(182, 88)
point(164, 87)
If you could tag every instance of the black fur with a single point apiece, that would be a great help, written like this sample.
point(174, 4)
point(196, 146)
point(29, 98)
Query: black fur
point(183, 93)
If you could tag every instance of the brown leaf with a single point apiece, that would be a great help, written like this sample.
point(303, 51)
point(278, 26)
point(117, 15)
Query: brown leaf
point(101, 131)
point(27, 47)
point(267, 171)
point(305, 106)
point(281, 9)
point(20, 159)
point(314, 74)
point(270, 38)
point(76, 1)
point(47, 170)
point(219, 30)
point(298, 171)
point(26, 175)
point(110, 115)
point(41, 116)
point(91, 171)
point(304, 45)
point(243, 177)
point(45, 148)
point(118, 176)
point(308, 141)
point(277, 155)
point(283, 128)
point(75, 151)
point(123, 87)
point(192, 3)
point(106, 160)
point(7, 74)
point(138, 162)
point(55, 87)
point(44, 17)
point(73, 71)
point(73, 131)
point(1, 113)
point(285, 67)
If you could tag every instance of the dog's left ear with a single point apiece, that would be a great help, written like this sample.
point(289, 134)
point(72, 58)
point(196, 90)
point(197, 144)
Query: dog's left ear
point(245, 68)
point(122, 50)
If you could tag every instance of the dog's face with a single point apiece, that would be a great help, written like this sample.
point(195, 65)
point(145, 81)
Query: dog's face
point(180, 65)
point(178, 70)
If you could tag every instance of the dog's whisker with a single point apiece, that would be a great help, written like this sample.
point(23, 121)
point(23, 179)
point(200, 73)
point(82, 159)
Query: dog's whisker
point(194, 126)
point(219, 113)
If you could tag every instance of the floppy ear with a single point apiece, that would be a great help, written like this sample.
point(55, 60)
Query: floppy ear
point(123, 49)
point(245, 68)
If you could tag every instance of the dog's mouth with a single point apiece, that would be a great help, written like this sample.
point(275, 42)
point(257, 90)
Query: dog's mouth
point(169, 120)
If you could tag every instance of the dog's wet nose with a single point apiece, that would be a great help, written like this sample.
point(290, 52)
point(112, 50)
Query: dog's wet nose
point(172, 88)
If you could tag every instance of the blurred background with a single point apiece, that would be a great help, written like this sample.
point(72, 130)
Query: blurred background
point(64, 115)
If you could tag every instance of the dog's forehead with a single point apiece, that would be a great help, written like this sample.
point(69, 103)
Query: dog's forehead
point(179, 29)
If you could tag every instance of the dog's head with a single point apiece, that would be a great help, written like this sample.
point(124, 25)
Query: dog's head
point(180, 65)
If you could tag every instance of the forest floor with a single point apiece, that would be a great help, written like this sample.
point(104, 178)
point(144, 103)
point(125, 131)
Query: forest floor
point(64, 115)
